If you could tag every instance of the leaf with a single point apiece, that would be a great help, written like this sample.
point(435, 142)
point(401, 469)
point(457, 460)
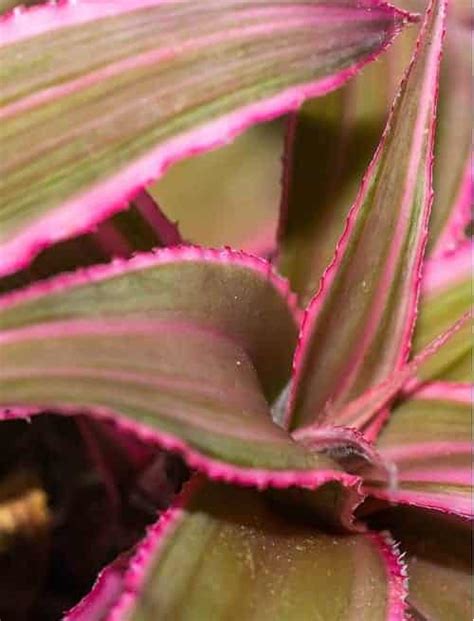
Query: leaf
point(166, 81)
point(180, 345)
point(446, 295)
point(438, 554)
point(142, 226)
point(428, 439)
point(369, 411)
point(453, 164)
point(105, 592)
point(357, 329)
point(239, 559)
point(228, 196)
point(329, 144)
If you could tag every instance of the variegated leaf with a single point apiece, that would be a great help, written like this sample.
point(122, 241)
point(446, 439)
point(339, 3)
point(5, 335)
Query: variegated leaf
point(357, 329)
point(428, 441)
point(238, 558)
point(180, 345)
point(83, 132)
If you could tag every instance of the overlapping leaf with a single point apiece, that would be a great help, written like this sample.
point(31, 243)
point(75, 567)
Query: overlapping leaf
point(446, 296)
point(141, 227)
point(428, 440)
point(182, 344)
point(438, 555)
point(357, 329)
point(238, 558)
point(82, 132)
point(329, 144)
point(331, 140)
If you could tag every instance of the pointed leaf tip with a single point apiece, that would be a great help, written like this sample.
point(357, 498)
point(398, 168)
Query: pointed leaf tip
point(357, 329)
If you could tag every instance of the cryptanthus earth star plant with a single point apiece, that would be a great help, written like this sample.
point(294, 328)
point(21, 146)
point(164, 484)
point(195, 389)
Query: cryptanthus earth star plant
point(194, 433)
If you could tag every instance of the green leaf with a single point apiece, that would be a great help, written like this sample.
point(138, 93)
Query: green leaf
point(452, 164)
point(330, 142)
point(357, 329)
point(180, 344)
point(238, 559)
point(428, 440)
point(446, 296)
point(438, 553)
point(166, 80)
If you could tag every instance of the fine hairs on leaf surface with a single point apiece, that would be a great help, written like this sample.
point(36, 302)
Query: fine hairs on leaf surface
point(186, 435)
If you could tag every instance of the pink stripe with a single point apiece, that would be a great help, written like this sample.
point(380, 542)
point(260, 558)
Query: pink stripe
point(453, 233)
point(147, 59)
point(105, 592)
point(149, 549)
point(455, 476)
point(329, 276)
point(81, 213)
point(361, 411)
point(396, 571)
point(448, 270)
point(445, 391)
point(426, 110)
point(166, 232)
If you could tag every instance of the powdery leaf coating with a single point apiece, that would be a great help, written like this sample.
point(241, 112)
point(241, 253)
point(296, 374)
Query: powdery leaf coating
point(236, 554)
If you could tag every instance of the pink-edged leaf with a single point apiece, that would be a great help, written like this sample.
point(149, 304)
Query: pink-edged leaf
point(179, 347)
point(438, 551)
point(104, 594)
point(238, 557)
point(357, 329)
point(369, 411)
point(428, 440)
point(453, 164)
point(167, 80)
point(141, 227)
point(329, 144)
point(446, 295)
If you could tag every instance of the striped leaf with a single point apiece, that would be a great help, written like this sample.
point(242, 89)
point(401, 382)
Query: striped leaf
point(238, 558)
point(438, 551)
point(83, 132)
point(180, 346)
point(446, 296)
point(428, 440)
point(357, 329)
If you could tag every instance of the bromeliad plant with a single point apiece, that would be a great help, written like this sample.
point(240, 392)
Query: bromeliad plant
point(327, 449)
